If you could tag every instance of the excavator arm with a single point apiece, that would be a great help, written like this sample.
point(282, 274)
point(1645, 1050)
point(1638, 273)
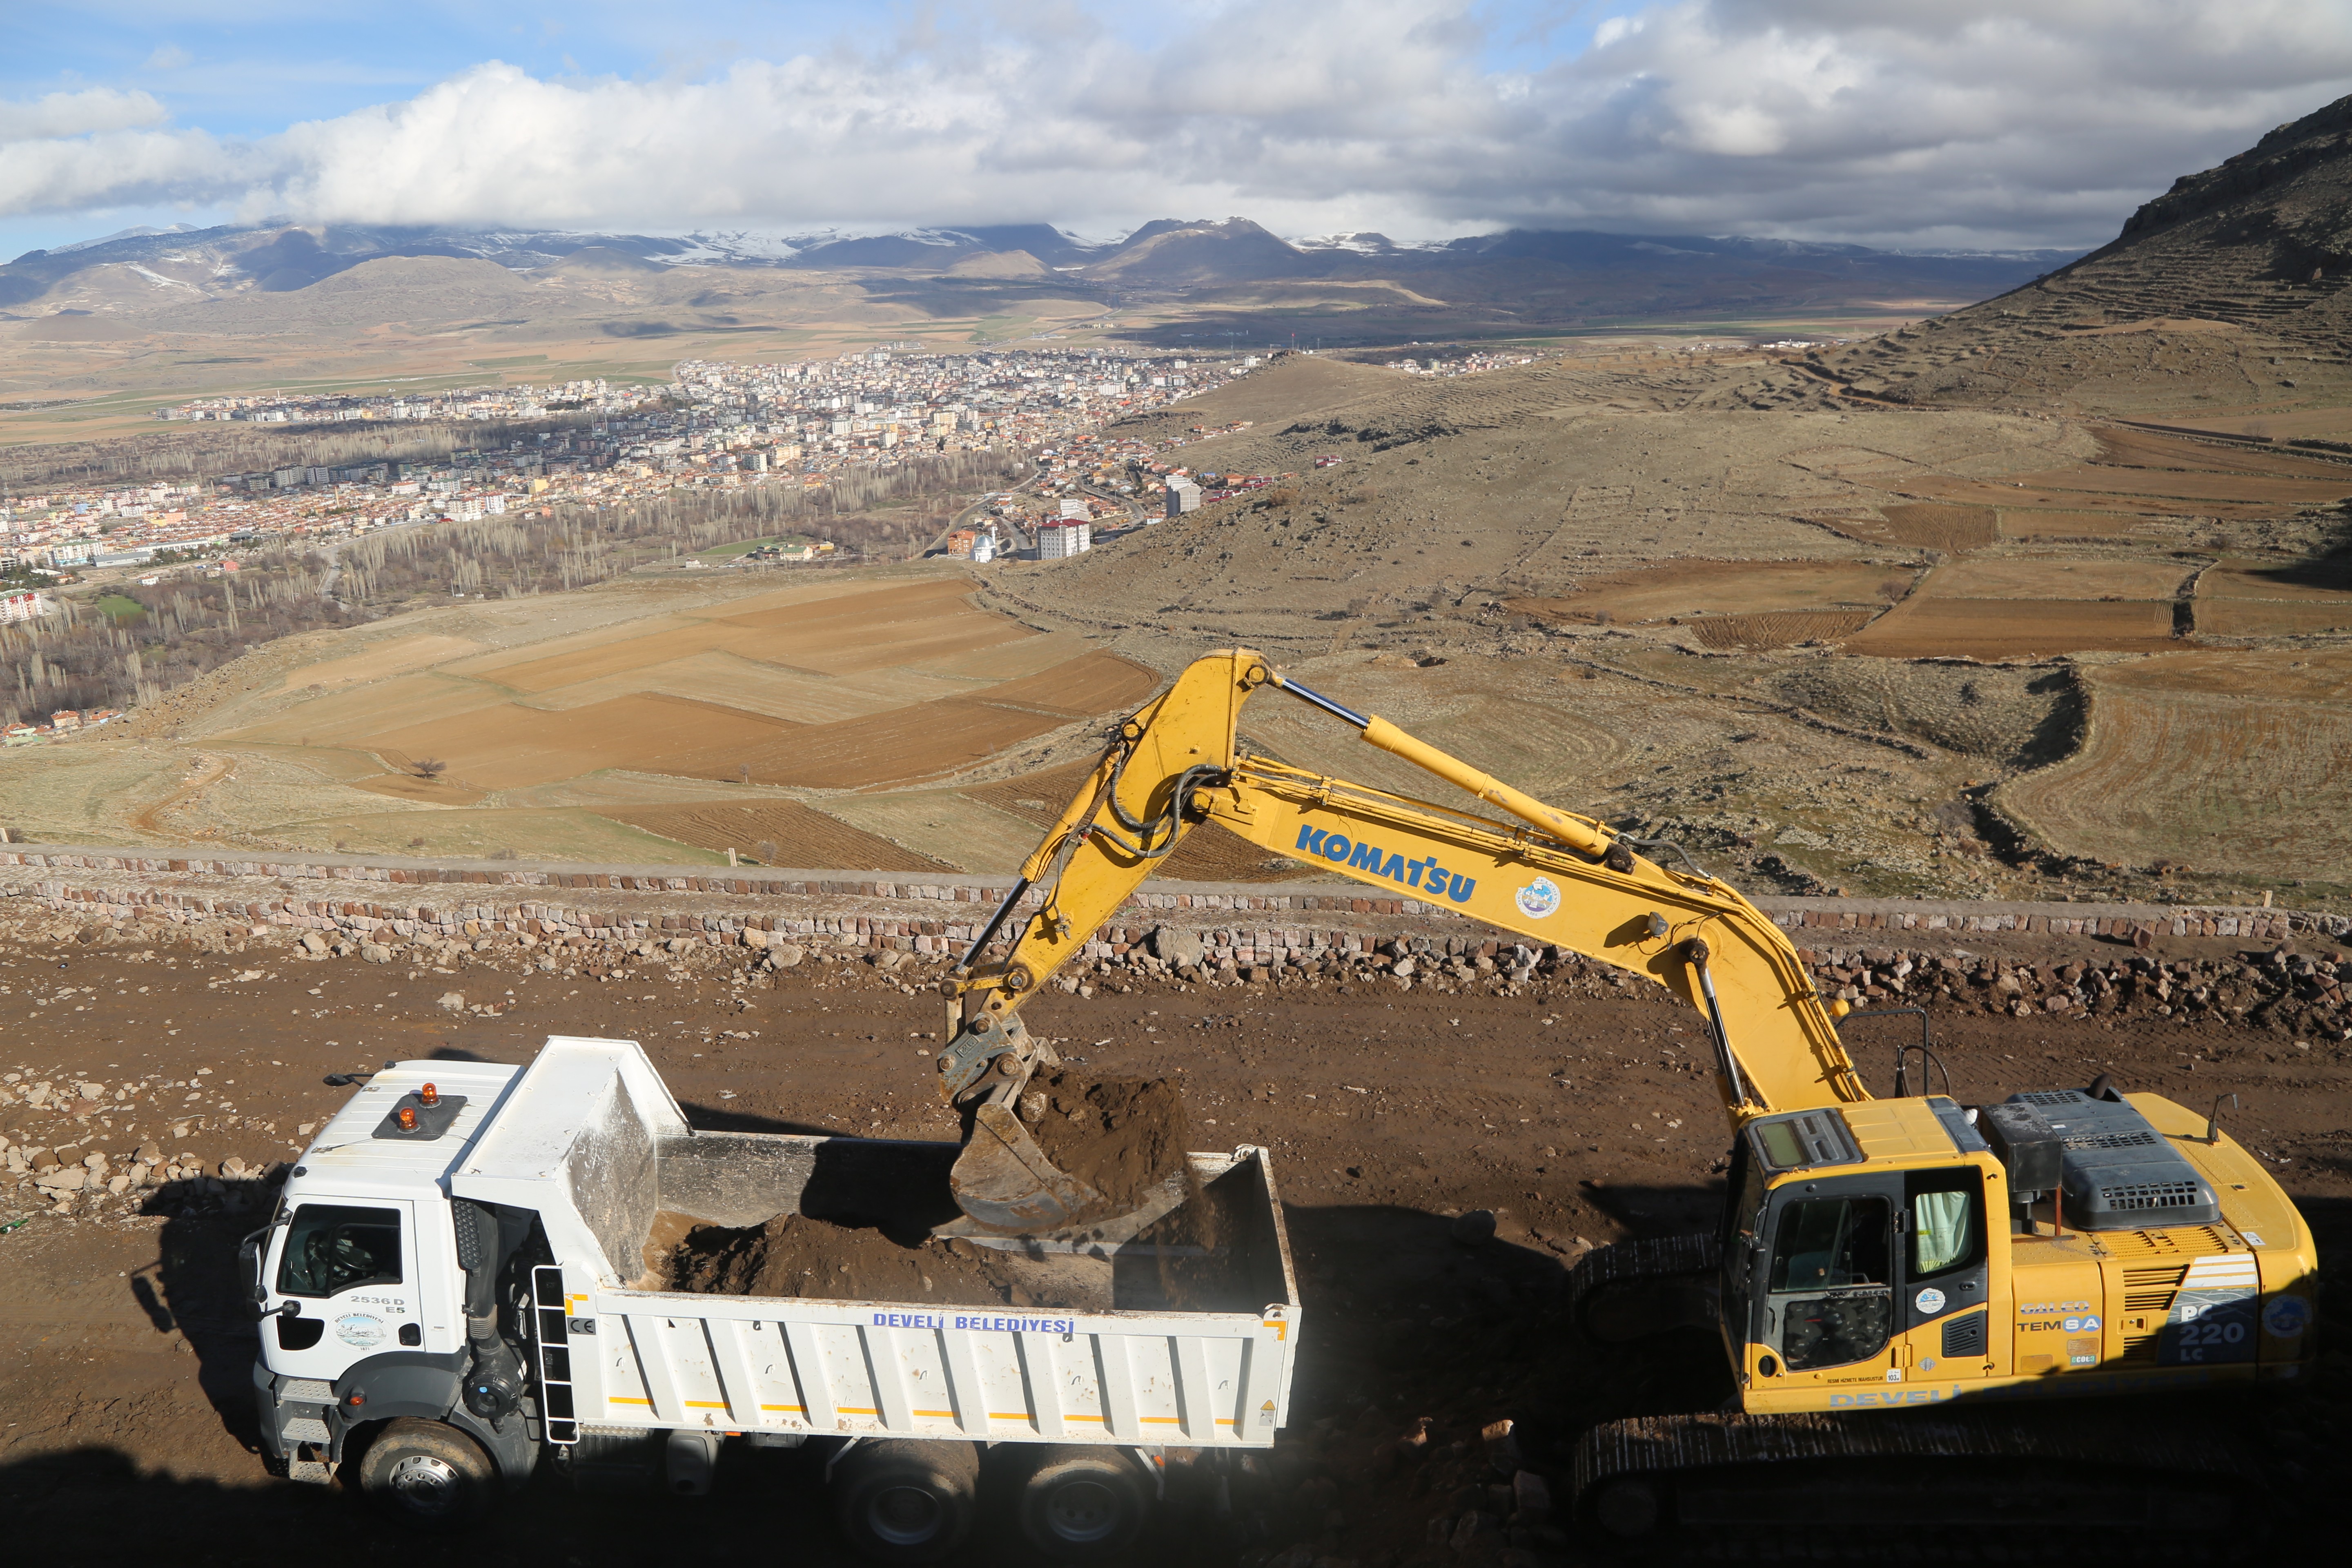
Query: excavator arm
point(1554, 877)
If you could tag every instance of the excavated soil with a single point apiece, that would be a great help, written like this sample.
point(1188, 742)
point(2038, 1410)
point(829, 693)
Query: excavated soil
point(1123, 1137)
point(793, 1255)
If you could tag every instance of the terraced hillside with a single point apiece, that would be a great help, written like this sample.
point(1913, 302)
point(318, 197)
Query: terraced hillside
point(2222, 299)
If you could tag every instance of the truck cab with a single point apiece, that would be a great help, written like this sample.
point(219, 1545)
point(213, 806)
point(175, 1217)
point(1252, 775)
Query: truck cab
point(358, 1279)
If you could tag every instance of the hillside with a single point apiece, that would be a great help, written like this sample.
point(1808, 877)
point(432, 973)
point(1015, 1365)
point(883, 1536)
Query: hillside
point(2222, 302)
point(1822, 640)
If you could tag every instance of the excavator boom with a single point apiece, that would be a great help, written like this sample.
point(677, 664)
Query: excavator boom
point(1557, 877)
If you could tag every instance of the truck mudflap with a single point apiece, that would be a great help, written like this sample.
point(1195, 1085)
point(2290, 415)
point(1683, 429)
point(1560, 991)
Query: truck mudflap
point(1991, 1477)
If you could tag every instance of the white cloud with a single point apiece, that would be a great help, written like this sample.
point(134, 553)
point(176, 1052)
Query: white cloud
point(2001, 122)
point(76, 114)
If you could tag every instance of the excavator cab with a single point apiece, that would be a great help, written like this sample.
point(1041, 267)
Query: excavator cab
point(1838, 1266)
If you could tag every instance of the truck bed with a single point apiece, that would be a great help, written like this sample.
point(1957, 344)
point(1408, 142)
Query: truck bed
point(1184, 1342)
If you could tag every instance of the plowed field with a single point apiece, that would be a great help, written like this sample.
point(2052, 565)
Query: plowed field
point(803, 838)
point(1721, 588)
point(1923, 524)
point(2271, 617)
point(494, 748)
point(2056, 577)
point(1780, 628)
point(2014, 629)
point(2023, 522)
point(2229, 763)
point(928, 739)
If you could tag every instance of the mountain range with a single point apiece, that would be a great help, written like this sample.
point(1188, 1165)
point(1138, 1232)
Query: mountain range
point(281, 258)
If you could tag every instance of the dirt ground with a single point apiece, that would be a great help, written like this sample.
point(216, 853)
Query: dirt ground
point(124, 1359)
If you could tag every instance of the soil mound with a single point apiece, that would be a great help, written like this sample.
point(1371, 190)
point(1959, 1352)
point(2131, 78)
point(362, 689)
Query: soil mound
point(1123, 1137)
point(793, 1255)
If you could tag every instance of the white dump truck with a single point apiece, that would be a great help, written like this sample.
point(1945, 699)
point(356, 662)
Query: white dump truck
point(453, 1291)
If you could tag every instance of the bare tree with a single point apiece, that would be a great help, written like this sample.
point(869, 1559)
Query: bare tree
point(431, 767)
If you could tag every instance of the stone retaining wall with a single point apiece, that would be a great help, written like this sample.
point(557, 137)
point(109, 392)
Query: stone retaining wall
point(413, 900)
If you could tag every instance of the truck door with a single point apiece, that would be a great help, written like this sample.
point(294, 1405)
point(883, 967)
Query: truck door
point(352, 1270)
point(1828, 1300)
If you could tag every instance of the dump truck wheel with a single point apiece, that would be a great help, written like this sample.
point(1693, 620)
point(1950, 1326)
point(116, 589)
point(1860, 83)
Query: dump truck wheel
point(1085, 1504)
point(901, 1502)
point(427, 1473)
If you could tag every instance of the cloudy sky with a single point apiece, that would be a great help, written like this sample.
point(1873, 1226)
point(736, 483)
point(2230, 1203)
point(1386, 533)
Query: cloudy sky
point(1966, 124)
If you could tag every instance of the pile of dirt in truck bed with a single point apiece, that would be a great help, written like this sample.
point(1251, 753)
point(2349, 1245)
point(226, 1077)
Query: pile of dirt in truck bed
point(1121, 1136)
point(793, 1255)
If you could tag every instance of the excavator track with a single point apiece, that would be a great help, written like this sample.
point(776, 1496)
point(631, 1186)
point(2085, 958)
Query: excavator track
point(1632, 1289)
point(1945, 1485)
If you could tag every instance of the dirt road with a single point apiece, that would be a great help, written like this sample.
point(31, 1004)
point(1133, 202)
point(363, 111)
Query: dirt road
point(124, 1361)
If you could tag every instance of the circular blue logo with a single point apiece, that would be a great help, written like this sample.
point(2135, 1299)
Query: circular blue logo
point(2287, 1317)
point(1537, 898)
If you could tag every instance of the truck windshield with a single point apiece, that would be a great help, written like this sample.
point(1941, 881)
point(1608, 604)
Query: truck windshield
point(331, 1249)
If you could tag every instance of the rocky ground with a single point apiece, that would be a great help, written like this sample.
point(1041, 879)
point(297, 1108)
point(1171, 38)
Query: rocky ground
point(1402, 1109)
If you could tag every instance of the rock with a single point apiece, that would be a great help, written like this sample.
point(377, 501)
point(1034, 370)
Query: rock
point(118, 1184)
point(62, 1179)
point(1403, 968)
point(1473, 1230)
point(93, 1162)
point(149, 1153)
point(453, 1001)
point(234, 1168)
point(138, 1175)
point(1502, 1449)
point(376, 952)
point(91, 1091)
point(1176, 947)
point(1532, 1494)
point(755, 939)
point(313, 943)
point(784, 954)
point(42, 1160)
point(1474, 1526)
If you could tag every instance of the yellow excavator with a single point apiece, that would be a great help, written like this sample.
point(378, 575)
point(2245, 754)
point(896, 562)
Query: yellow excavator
point(1891, 1275)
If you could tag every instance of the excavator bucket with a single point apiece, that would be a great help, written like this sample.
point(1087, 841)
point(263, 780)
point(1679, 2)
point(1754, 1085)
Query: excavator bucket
point(1117, 1161)
point(1007, 1186)
point(1005, 1183)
